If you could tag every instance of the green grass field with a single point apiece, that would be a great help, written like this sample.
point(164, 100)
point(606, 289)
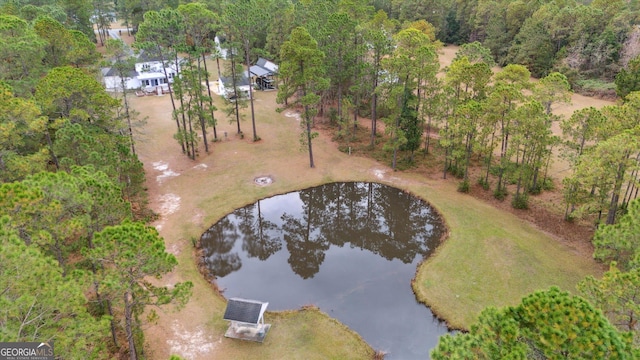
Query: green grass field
point(491, 258)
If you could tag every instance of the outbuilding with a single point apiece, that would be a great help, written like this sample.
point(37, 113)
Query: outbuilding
point(246, 319)
point(225, 87)
point(263, 74)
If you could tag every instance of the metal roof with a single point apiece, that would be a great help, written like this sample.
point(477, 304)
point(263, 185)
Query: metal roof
point(259, 71)
point(112, 71)
point(243, 310)
point(242, 81)
point(266, 64)
point(263, 67)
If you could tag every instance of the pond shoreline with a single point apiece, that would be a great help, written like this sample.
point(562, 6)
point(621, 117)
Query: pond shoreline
point(332, 233)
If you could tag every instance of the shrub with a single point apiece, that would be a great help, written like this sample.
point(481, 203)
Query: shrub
point(333, 116)
point(456, 171)
point(535, 190)
point(500, 194)
point(464, 187)
point(520, 201)
point(596, 87)
point(548, 184)
point(484, 183)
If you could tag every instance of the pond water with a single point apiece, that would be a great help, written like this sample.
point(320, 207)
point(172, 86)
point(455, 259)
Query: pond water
point(349, 248)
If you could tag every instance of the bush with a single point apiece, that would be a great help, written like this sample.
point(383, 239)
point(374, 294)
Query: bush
point(494, 170)
point(548, 184)
point(520, 201)
point(456, 171)
point(596, 87)
point(535, 190)
point(333, 116)
point(509, 174)
point(573, 75)
point(484, 183)
point(500, 194)
point(405, 163)
point(364, 110)
point(464, 187)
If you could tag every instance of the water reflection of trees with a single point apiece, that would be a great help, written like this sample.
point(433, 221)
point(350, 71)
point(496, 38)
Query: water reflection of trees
point(261, 237)
point(217, 243)
point(302, 231)
point(375, 217)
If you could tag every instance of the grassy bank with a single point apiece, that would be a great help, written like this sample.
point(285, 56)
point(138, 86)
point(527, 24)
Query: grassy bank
point(491, 258)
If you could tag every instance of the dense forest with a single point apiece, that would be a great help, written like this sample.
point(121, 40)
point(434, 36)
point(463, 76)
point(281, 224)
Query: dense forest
point(77, 253)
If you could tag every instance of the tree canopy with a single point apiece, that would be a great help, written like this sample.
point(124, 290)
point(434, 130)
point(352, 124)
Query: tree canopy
point(552, 324)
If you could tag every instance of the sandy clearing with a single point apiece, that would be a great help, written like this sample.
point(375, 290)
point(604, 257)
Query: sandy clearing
point(191, 344)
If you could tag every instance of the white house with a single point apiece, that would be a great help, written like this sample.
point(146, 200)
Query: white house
point(148, 74)
point(112, 80)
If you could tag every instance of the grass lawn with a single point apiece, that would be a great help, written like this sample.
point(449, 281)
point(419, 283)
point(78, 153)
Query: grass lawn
point(491, 258)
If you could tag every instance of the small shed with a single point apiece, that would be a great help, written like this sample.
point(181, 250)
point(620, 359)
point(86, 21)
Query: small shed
point(263, 74)
point(246, 319)
point(225, 87)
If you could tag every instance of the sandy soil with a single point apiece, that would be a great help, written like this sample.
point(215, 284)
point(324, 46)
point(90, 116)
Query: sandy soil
point(190, 195)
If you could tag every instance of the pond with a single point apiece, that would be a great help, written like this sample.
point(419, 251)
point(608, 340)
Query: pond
point(349, 248)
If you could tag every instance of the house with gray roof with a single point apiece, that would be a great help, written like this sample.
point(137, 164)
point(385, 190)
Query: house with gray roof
point(225, 86)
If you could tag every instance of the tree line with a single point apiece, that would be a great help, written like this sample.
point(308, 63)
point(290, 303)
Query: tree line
point(76, 256)
point(579, 38)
